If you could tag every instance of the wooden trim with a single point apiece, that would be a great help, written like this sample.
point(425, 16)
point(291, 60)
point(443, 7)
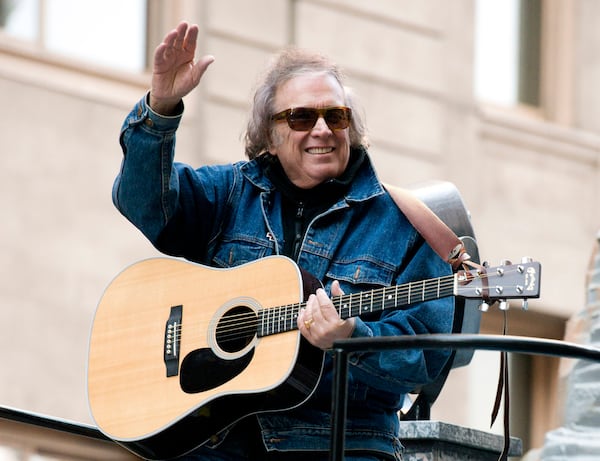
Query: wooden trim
point(545, 400)
point(557, 57)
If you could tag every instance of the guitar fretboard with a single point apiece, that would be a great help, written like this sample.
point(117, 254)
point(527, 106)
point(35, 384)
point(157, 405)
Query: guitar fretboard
point(280, 319)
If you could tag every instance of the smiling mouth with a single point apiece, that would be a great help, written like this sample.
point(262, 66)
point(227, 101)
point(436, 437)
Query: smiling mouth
point(320, 150)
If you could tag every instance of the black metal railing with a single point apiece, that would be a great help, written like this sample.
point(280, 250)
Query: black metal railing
point(506, 343)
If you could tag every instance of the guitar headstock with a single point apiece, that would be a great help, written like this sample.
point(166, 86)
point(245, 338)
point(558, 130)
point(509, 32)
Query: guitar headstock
point(500, 283)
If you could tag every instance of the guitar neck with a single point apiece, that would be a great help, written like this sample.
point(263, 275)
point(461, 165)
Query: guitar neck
point(280, 319)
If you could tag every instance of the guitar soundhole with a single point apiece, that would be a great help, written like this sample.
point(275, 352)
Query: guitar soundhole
point(236, 329)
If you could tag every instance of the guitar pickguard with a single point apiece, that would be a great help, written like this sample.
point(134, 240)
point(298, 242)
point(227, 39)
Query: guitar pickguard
point(202, 370)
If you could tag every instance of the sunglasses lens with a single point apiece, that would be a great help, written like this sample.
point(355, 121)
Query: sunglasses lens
point(337, 119)
point(302, 119)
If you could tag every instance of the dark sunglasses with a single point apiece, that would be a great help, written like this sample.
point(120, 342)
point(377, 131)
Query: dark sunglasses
point(305, 118)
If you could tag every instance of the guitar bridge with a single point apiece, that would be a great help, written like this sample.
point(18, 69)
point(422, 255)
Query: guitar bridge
point(173, 341)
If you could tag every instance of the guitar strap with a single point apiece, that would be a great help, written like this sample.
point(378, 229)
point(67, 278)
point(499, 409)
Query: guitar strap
point(439, 236)
point(503, 384)
point(451, 249)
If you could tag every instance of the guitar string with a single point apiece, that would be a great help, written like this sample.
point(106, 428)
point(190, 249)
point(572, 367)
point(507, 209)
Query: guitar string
point(247, 322)
point(280, 318)
point(375, 297)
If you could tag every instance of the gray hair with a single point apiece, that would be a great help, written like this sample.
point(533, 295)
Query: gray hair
point(288, 64)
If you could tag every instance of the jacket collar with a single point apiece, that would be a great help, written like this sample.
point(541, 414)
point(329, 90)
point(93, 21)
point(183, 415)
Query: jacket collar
point(365, 186)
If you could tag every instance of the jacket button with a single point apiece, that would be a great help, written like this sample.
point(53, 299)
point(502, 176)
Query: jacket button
point(148, 122)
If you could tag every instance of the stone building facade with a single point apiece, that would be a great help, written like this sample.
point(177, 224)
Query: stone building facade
point(529, 175)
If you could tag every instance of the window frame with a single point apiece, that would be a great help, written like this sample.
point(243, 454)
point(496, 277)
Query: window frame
point(556, 71)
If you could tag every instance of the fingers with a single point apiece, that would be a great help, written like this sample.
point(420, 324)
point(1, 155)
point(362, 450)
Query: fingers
point(178, 46)
point(323, 308)
point(304, 320)
point(320, 323)
point(183, 37)
point(175, 73)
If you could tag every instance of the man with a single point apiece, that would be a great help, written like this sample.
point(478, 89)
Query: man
point(309, 192)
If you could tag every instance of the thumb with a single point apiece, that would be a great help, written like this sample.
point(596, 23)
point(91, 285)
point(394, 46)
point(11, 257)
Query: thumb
point(336, 290)
point(200, 67)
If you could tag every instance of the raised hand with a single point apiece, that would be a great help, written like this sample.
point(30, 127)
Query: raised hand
point(175, 73)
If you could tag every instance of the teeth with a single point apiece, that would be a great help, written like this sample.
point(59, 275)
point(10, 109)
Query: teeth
point(319, 150)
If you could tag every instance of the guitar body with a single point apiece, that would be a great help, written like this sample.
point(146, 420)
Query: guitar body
point(162, 379)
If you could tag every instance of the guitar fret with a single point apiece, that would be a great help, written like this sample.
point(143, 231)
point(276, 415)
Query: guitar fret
point(389, 300)
point(261, 317)
point(347, 306)
point(281, 326)
point(405, 296)
point(261, 323)
point(271, 321)
point(279, 319)
point(277, 324)
point(285, 324)
point(266, 322)
point(284, 319)
point(294, 310)
point(367, 294)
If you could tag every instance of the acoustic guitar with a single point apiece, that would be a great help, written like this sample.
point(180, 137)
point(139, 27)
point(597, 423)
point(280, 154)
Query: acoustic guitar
point(180, 351)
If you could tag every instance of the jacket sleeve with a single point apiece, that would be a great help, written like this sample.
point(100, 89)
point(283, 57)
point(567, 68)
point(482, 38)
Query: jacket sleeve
point(146, 188)
point(175, 206)
point(404, 370)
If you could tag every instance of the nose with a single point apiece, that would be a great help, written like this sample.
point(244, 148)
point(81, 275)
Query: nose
point(320, 126)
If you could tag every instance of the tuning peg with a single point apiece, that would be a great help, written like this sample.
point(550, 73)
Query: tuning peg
point(484, 307)
point(525, 304)
point(503, 305)
point(505, 262)
point(524, 260)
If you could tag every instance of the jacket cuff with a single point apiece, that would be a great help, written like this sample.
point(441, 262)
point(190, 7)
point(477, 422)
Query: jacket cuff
point(361, 330)
point(144, 115)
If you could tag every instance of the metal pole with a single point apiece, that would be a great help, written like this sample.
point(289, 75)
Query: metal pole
point(338, 404)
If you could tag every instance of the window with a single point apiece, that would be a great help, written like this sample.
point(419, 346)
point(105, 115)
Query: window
point(507, 53)
point(110, 33)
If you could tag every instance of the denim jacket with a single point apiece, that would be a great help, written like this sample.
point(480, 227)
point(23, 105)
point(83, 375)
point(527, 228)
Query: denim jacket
point(226, 215)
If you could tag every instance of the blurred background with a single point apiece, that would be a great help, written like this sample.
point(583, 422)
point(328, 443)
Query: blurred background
point(499, 97)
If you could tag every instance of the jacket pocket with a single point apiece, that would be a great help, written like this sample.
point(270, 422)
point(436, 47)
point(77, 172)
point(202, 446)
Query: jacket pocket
point(241, 249)
point(362, 273)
